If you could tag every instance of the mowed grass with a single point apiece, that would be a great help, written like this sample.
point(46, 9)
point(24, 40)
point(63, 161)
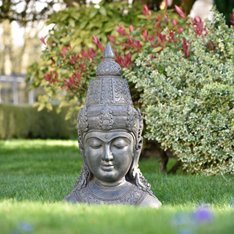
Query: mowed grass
point(35, 176)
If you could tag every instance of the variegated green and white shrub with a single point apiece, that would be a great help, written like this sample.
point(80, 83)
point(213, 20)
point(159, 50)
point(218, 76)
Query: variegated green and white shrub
point(188, 96)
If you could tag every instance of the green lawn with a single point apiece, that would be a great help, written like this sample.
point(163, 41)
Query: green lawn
point(36, 175)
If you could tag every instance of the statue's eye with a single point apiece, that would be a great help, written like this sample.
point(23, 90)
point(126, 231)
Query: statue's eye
point(120, 143)
point(94, 143)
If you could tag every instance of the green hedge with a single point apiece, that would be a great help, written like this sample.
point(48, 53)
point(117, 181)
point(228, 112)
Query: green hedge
point(26, 122)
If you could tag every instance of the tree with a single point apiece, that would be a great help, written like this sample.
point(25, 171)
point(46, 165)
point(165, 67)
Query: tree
point(24, 11)
point(27, 14)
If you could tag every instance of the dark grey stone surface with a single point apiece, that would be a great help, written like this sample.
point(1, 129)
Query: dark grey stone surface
point(110, 139)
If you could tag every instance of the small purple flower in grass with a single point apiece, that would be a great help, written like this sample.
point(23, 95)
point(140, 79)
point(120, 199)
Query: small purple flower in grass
point(26, 227)
point(232, 202)
point(184, 223)
point(203, 214)
point(185, 231)
point(182, 219)
point(15, 232)
point(22, 227)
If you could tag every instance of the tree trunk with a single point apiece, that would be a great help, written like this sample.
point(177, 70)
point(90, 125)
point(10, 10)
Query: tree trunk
point(7, 47)
point(154, 149)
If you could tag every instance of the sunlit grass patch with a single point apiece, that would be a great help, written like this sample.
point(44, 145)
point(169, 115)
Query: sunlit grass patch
point(35, 144)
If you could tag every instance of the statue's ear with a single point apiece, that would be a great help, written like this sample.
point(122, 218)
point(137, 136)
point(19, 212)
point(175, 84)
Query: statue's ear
point(135, 163)
point(81, 148)
point(139, 147)
point(82, 152)
point(80, 143)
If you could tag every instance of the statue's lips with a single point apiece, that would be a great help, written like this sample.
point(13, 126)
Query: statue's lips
point(107, 167)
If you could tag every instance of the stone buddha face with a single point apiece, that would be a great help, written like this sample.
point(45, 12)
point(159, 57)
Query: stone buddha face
point(109, 155)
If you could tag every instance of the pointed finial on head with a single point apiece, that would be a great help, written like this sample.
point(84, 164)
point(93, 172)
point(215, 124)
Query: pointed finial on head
point(108, 66)
point(109, 52)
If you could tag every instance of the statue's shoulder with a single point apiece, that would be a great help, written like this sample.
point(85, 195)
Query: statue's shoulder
point(80, 195)
point(150, 201)
point(72, 197)
point(134, 196)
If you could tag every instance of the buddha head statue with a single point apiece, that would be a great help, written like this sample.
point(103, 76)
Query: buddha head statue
point(110, 131)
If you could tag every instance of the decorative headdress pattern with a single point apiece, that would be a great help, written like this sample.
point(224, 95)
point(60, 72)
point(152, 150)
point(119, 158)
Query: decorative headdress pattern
point(108, 103)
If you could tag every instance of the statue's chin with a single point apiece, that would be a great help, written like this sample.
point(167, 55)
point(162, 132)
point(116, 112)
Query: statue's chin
point(109, 181)
point(108, 174)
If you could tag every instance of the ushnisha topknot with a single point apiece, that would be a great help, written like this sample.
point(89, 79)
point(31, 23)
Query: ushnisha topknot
point(108, 67)
point(108, 103)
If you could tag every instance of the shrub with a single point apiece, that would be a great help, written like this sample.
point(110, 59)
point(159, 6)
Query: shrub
point(75, 45)
point(181, 70)
point(27, 122)
point(187, 91)
point(69, 59)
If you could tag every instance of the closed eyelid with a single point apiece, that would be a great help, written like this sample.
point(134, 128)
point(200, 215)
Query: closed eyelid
point(94, 141)
point(121, 142)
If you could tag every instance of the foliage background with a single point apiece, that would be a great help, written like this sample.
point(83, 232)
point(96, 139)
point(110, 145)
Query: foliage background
point(179, 70)
point(188, 97)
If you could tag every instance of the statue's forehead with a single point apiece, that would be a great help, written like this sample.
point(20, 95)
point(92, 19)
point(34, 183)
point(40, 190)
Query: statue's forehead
point(108, 135)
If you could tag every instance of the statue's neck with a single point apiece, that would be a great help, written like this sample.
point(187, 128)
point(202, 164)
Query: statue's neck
point(109, 192)
point(100, 183)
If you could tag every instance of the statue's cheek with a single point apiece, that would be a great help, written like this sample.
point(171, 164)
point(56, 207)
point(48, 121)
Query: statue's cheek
point(93, 156)
point(123, 160)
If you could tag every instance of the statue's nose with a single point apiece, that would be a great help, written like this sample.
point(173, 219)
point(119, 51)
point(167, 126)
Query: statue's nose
point(107, 154)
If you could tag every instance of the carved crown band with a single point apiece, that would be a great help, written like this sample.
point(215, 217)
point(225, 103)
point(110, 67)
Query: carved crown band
point(109, 118)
